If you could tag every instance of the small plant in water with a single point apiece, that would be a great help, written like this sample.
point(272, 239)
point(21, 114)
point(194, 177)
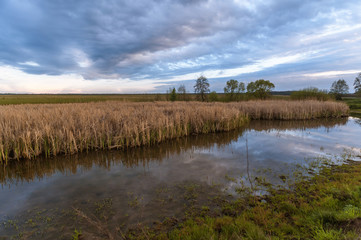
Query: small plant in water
point(76, 235)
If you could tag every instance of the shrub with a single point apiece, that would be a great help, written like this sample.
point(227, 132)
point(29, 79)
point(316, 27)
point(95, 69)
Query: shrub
point(311, 93)
point(213, 97)
point(173, 95)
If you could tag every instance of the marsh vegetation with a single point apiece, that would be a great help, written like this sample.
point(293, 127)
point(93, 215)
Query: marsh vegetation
point(27, 131)
point(221, 185)
point(193, 187)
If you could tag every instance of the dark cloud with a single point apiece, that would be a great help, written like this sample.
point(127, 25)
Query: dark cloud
point(164, 38)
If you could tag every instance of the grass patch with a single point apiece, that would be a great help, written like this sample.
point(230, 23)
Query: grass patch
point(311, 93)
point(327, 206)
point(354, 104)
point(15, 99)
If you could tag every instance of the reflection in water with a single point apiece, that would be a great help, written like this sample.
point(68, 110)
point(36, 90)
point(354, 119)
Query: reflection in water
point(29, 170)
point(358, 121)
point(170, 176)
point(264, 125)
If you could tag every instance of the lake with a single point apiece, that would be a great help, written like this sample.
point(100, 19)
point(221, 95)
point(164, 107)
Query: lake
point(149, 184)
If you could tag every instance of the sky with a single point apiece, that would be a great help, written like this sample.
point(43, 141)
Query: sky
point(148, 46)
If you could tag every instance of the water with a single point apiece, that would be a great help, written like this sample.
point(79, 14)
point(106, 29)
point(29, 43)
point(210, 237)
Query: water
point(146, 185)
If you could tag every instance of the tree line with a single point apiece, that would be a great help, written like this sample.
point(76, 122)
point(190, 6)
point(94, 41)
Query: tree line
point(259, 89)
point(233, 90)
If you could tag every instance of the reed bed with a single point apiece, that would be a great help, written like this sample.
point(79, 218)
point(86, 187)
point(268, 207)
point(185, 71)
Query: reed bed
point(17, 172)
point(27, 131)
point(293, 110)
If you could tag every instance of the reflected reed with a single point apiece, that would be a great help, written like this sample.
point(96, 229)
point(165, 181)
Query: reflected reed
point(29, 170)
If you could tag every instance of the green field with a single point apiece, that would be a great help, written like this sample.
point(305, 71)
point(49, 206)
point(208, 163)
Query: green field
point(355, 105)
point(7, 99)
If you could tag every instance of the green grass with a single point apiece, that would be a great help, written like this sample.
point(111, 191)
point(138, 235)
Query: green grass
point(355, 105)
point(327, 206)
point(7, 99)
point(311, 93)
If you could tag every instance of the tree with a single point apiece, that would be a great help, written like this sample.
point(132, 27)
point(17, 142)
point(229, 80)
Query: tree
point(201, 88)
point(260, 88)
point(173, 95)
point(233, 89)
point(168, 93)
point(338, 88)
point(182, 93)
point(357, 84)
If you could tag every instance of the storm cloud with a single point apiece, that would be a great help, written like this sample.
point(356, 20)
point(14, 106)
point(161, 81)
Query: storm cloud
point(162, 42)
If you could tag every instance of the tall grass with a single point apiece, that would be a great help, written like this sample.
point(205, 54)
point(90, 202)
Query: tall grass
point(311, 93)
point(292, 110)
point(27, 131)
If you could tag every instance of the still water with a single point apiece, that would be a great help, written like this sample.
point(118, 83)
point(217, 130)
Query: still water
point(145, 185)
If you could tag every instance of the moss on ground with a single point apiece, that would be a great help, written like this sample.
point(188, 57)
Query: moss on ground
point(325, 206)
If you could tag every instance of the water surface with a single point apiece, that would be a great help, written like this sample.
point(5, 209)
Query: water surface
point(148, 184)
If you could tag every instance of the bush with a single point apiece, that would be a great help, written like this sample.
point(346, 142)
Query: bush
point(311, 93)
point(213, 97)
point(173, 95)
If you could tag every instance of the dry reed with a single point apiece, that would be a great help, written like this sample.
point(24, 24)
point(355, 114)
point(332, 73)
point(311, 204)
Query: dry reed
point(293, 110)
point(27, 131)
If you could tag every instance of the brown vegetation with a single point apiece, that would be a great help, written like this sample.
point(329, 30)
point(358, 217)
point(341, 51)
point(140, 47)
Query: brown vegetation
point(26, 131)
point(293, 110)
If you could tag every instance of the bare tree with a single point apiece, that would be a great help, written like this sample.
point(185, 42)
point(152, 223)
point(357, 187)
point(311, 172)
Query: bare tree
point(357, 84)
point(201, 88)
point(182, 93)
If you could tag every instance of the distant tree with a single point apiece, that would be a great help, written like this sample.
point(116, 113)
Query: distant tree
point(173, 95)
point(357, 84)
point(213, 96)
point(260, 88)
point(233, 89)
point(338, 88)
point(201, 88)
point(182, 93)
point(168, 93)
